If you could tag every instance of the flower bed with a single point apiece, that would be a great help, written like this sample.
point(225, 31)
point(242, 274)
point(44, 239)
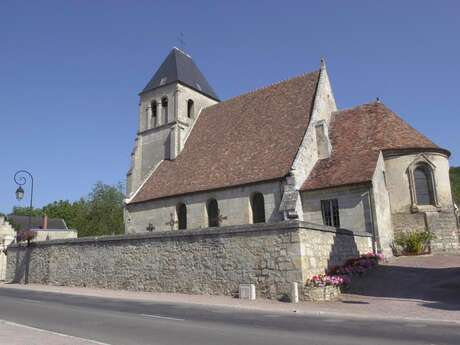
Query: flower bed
point(326, 287)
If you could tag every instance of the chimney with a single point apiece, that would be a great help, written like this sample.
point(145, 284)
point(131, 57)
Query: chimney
point(45, 222)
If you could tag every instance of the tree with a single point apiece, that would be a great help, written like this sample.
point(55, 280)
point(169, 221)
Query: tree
point(24, 211)
point(63, 209)
point(101, 213)
point(455, 183)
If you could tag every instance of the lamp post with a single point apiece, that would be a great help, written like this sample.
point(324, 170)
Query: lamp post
point(20, 179)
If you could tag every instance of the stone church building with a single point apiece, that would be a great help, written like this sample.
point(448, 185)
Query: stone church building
point(279, 153)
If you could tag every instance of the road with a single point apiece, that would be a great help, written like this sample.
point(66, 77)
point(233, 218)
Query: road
point(126, 322)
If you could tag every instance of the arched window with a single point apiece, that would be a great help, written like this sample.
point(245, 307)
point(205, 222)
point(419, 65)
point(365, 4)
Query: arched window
point(213, 212)
point(181, 211)
point(258, 208)
point(164, 109)
point(190, 110)
point(423, 179)
point(153, 107)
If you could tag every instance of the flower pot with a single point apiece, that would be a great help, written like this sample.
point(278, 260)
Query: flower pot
point(321, 293)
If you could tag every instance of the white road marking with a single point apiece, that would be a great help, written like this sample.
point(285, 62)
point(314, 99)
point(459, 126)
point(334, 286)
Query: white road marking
point(162, 317)
point(14, 324)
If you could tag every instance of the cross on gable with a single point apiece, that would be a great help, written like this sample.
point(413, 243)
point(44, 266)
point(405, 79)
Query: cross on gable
point(150, 227)
point(181, 41)
point(171, 222)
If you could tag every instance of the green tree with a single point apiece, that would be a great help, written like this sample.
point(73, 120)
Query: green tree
point(24, 211)
point(101, 213)
point(63, 209)
point(455, 183)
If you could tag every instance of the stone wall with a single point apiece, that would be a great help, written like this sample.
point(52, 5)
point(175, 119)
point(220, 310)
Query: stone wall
point(354, 206)
point(234, 204)
point(439, 219)
point(383, 227)
point(7, 235)
point(207, 261)
point(404, 222)
point(325, 247)
point(396, 171)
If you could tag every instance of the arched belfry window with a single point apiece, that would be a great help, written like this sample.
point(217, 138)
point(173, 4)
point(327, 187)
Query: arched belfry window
point(153, 111)
point(181, 211)
point(213, 212)
point(164, 109)
point(423, 181)
point(258, 208)
point(190, 109)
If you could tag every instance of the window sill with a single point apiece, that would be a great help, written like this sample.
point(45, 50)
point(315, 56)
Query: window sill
point(425, 208)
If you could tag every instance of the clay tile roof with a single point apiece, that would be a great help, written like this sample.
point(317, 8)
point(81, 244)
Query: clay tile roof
point(357, 136)
point(250, 138)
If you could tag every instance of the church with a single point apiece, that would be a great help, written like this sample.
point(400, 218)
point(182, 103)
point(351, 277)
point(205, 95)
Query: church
point(279, 153)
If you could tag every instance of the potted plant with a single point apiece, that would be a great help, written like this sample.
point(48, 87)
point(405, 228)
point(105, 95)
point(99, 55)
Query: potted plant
point(324, 287)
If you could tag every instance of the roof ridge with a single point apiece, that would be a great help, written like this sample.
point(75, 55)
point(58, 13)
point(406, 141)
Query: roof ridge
point(359, 106)
point(262, 88)
point(231, 146)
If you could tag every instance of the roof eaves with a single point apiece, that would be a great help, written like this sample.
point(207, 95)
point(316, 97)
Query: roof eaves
point(206, 190)
point(340, 185)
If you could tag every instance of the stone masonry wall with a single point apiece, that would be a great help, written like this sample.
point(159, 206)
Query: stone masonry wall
point(207, 261)
point(330, 247)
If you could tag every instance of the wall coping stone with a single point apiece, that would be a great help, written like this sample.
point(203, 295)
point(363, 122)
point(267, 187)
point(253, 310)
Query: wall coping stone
point(290, 225)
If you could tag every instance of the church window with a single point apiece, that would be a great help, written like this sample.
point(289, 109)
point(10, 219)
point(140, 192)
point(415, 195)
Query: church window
point(423, 179)
point(330, 212)
point(190, 109)
point(181, 211)
point(258, 208)
point(213, 212)
point(153, 107)
point(164, 109)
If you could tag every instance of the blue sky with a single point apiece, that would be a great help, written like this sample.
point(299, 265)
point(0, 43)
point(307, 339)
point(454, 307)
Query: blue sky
point(70, 71)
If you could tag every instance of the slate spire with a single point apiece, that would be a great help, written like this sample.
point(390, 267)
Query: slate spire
point(179, 67)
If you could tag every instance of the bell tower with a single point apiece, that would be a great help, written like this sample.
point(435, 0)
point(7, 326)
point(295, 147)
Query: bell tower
point(169, 106)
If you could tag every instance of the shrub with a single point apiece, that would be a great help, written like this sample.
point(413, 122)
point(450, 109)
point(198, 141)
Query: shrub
point(414, 242)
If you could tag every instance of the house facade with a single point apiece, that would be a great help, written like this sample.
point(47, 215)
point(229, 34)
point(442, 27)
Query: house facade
point(279, 153)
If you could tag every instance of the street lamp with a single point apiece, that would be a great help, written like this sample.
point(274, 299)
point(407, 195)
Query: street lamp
point(19, 193)
point(20, 179)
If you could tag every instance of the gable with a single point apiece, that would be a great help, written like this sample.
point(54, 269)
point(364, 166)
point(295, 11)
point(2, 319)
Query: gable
point(247, 139)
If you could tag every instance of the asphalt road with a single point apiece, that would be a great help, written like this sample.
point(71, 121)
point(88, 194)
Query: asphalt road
point(123, 322)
